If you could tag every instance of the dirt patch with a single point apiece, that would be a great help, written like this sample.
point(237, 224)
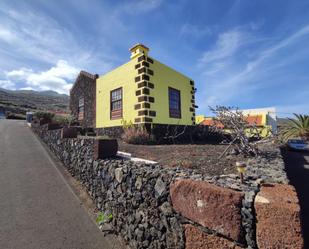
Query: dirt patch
point(202, 158)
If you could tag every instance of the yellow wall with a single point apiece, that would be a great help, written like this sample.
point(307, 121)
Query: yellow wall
point(265, 130)
point(163, 78)
point(199, 119)
point(122, 76)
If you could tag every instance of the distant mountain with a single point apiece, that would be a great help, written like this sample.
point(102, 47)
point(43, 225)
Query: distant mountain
point(282, 121)
point(43, 93)
point(20, 101)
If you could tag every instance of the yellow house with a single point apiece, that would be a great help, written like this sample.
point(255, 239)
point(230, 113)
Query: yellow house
point(144, 90)
point(265, 119)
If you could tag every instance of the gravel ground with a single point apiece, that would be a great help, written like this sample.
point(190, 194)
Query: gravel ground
point(201, 158)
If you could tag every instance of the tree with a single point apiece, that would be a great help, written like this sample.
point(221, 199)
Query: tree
point(296, 127)
point(233, 120)
point(48, 116)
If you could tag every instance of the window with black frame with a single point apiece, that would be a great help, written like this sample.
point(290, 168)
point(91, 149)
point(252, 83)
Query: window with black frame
point(81, 108)
point(116, 103)
point(174, 103)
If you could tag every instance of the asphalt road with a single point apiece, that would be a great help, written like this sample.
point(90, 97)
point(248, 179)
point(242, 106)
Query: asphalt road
point(38, 208)
point(297, 167)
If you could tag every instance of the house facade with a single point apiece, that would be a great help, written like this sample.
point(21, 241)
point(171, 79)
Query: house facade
point(141, 91)
point(82, 99)
point(265, 119)
point(144, 91)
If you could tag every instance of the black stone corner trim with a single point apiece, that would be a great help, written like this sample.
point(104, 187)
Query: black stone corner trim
point(146, 119)
point(142, 84)
point(150, 72)
point(151, 99)
point(138, 78)
point(152, 113)
point(146, 91)
point(143, 113)
point(191, 82)
point(142, 70)
point(138, 92)
point(146, 105)
point(137, 65)
point(141, 58)
point(145, 77)
point(150, 85)
point(150, 60)
point(137, 106)
point(191, 109)
point(145, 64)
point(142, 98)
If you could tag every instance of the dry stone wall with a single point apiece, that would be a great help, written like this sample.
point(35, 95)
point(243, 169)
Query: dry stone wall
point(156, 207)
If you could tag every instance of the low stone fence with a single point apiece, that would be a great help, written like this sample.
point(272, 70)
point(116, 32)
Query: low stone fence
point(156, 207)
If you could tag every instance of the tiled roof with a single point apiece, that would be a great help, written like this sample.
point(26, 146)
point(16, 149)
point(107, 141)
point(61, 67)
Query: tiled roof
point(210, 122)
point(255, 119)
point(252, 120)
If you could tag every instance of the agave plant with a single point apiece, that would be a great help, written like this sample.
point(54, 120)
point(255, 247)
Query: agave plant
point(296, 127)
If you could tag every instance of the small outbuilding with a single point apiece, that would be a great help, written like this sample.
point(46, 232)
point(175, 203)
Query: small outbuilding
point(82, 99)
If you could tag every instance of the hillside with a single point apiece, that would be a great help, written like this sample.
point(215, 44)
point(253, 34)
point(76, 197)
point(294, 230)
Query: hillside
point(20, 101)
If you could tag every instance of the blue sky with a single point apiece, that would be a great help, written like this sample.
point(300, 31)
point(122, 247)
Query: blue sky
point(240, 53)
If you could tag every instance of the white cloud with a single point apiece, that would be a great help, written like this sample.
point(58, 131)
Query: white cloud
point(58, 78)
point(139, 6)
point(27, 88)
point(6, 35)
point(37, 37)
point(19, 74)
point(194, 30)
point(226, 45)
point(7, 84)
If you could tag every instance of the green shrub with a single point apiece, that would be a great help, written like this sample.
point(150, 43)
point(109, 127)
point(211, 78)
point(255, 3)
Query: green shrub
point(10, 115)
point(102, 218)
point(63, 120)
point(44, 115)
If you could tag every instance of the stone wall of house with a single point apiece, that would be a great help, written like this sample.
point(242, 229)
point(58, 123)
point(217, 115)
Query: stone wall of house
point(157, 207)
point(84, 87)
point(163, 133)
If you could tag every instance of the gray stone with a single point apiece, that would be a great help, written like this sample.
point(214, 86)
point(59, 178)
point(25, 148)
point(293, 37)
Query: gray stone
point(160, 187)
point(138, 182)
point(119, 174)
point(95, 165)
point(139, 235)
point(166, 208)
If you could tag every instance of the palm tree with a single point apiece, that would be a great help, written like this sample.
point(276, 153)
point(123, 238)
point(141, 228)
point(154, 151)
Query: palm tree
point(296, 127)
